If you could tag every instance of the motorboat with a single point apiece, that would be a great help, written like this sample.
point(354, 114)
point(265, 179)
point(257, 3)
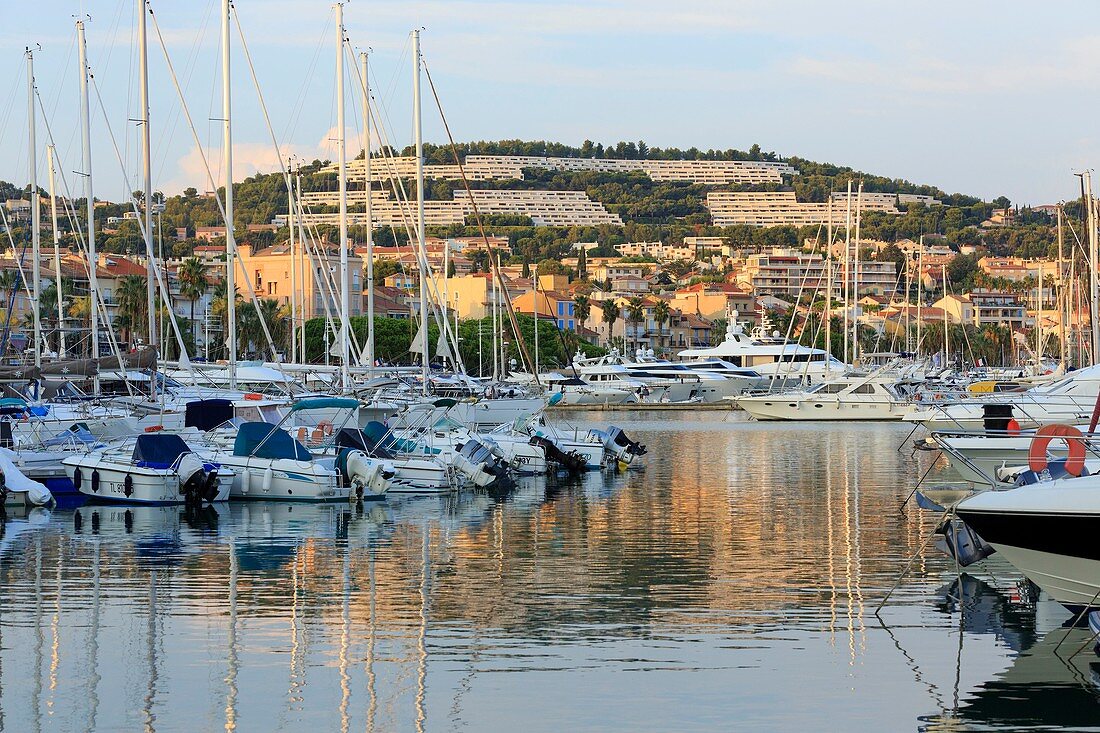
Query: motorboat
point(269, 463)
point(1067, 400)
point(413, 474)
point(776, 359)
point(852, 397)
point(1044, 527)
point(576, 391)
point(152, 468)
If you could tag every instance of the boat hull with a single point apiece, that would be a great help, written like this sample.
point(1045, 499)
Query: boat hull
point(148, 486)
point(777, 408)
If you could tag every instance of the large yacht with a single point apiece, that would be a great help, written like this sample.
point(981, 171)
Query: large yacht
point(775, 358)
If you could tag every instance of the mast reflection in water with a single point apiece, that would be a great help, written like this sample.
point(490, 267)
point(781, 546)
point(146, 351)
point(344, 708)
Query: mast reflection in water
point(731, 583)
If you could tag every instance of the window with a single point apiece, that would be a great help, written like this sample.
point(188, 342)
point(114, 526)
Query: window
point(572, 324)
point(259, 280)
point(561, 308)
point(271, 287)
point(864, 389)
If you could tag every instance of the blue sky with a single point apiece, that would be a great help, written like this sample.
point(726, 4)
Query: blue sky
point(978, 97)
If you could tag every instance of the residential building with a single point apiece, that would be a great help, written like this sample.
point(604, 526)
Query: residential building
point(317, 277)
point(780, 208)
point(209, 234)
point(550, 304)
point(783, 272)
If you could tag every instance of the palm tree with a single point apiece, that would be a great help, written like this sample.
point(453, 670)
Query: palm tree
point(193, 284)
point(610, 315)
point(250, 331)
point(582, 308)
point(662, 313)
point(130, 296)
point(635, 312)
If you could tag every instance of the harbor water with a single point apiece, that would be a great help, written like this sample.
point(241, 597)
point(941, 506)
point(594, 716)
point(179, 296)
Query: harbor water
point(730, 584)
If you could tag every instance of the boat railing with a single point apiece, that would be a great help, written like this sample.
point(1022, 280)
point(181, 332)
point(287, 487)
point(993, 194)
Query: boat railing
point(1090, 441)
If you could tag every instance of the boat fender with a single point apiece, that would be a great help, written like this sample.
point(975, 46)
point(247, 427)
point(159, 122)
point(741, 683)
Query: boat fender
point(246, 480)
point(1013, 427)
point(76, 479)
point(1037, 453)
point(269, 476)
point(128, 486)
point(95, 482)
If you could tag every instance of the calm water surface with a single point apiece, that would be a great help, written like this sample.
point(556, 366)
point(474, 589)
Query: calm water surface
point(731, 584)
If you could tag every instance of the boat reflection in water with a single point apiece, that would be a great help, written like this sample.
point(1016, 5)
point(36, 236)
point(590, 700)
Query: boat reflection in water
point(734, 578)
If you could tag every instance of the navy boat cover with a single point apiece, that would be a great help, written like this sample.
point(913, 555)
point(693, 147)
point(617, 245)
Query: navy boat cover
point(276, 442)
point(158, 450)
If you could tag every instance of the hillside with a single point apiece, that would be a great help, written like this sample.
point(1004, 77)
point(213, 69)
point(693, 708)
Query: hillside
point(650, 210)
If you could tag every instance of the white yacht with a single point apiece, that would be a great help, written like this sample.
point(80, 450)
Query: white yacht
point(1068, 400)
point(852, 397)
point(773, 357)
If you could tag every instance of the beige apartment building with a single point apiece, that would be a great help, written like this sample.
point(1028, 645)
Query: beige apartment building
point(498, 167)
point(782, 208)
point(316, 278)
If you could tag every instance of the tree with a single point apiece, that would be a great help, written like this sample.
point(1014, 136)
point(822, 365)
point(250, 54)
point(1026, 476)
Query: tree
point(193, 284)
point(662, 312)
point(131, 298)
point(582, 308)
point(526, 271)
point(582, 264)
point(610, 315)
point(635, 313)
point(550, 267)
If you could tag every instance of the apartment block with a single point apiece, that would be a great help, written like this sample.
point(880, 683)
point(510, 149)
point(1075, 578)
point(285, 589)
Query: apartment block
point(781, 208)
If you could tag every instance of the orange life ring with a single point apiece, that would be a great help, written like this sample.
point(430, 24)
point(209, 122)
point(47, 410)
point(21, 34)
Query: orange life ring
point(1013, 427)
point(154, 428)
point(253, 396)
point(1037, 454)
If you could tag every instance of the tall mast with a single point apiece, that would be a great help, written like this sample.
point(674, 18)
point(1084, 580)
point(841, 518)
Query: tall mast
point(296, 205)
point(345, 288)
point(56, 256)
point(1094, 320)
point(293, 271)
point(230, 236)
point(147, 170)
point(855, 278)
point(370, 214)
point(86, 140)
point(946, 342)
point(1061, 296)
point(829, 279)
point(847, 268)
point(36, 223)
point(920, 289)
point(419, 135)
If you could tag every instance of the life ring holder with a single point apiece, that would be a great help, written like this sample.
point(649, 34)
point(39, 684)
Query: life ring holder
point(1073, 438)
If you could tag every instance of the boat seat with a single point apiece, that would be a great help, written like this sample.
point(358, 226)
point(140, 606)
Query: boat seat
point(303, 434)
point(318, 435)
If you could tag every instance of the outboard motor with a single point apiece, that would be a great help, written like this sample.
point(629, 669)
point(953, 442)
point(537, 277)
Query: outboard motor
point(198, 480)
point(369, 477)
point(619, 446)
point(957, 539)
point(571, 461)
point(477, 462)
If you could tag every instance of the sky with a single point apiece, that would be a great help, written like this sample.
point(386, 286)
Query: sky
point(983, 98)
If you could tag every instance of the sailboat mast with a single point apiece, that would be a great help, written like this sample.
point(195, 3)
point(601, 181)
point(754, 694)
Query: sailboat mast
point(86, 140)
point(847, 268)
point(419, 135)
point(293, 270)
point(1094, 305)
point(36, 223)
point(1061, 295)
point(920, 290)
point(829, 278)
point(296, 205)
point(147, 171)
point(345, 290)
point(370, 214)
point(946, 344)
point(230, 236)
point(855, 278)
point(56, 256)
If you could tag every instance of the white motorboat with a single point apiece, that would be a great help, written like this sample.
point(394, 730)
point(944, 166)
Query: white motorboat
point(1067, 400)
point(153, 468)
point(1046, 529)
point(576, 391)
point(852, 397)
point(413, 474)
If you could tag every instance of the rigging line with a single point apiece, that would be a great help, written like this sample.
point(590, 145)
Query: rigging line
point(189, 69)
point(165, 294)
point(345, 317)
point(520, 342)
point(299, 104)
point(217, 199)
point(99, 304)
